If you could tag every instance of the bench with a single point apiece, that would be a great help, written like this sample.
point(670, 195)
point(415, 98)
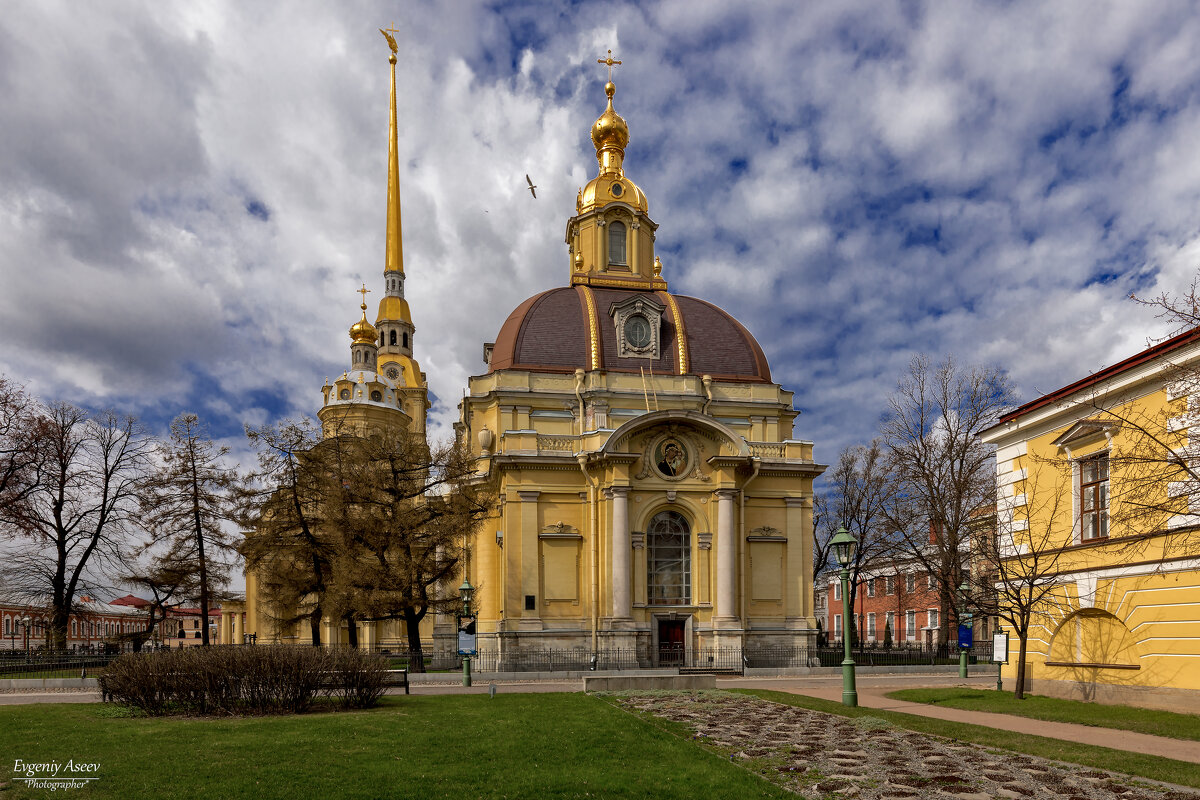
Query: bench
point(397, 678)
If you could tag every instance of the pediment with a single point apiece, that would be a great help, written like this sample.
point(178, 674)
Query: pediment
point(1086, 431)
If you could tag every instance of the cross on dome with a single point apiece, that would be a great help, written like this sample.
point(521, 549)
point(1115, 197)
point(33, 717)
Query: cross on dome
point(610, 62)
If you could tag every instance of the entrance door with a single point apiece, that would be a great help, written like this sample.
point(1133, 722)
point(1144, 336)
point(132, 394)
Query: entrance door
point(670, 642)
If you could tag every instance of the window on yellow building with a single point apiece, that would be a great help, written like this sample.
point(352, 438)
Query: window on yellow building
point(616, 243)
point(1093, 497)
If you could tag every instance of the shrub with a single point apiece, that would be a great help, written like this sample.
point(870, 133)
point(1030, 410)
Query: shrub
point(244, 680)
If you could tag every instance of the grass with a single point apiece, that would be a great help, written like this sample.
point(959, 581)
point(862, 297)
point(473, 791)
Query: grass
point(431, 746)
point(1143, 766)
point(1126, 718)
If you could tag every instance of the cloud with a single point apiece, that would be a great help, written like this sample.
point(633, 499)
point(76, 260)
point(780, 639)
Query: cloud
point(190, 195)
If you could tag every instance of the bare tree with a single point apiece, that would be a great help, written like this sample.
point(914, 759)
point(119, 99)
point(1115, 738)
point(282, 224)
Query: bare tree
point(187, 503)
point(1016, 566)
point(855, 497)
point(284, 510)
point(168, 581)
point(941, 473)
point(71, 525)
point(18, 443)
point(403, 518)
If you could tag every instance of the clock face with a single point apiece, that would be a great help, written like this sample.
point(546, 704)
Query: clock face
point(637, 331)
point(393, 373)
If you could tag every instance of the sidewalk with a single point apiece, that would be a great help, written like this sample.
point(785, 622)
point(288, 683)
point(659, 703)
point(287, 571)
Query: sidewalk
point(872, 691)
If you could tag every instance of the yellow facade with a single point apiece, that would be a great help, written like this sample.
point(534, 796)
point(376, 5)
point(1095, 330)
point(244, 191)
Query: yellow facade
point(647, 508)
point(1088, 478)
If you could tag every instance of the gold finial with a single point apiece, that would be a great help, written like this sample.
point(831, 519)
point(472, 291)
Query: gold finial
point(609, 62)
point(657, 267)
point(363, 291)
point(391, 40)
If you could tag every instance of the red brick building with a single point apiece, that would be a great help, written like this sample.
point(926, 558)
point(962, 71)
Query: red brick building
point(900, 595)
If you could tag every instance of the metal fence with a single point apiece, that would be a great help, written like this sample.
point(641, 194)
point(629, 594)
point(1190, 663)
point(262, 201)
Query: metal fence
point(43, 664)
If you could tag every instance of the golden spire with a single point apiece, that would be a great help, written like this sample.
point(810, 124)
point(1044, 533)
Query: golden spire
point(610, 134)
point(394, 258)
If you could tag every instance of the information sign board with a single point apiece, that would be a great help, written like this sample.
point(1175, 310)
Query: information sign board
point(466, 635)
point(966, 637)
point(1000, 648)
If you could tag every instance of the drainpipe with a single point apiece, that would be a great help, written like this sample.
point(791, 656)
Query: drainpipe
point(593, 524)
point(757, 462)
point(579, 397)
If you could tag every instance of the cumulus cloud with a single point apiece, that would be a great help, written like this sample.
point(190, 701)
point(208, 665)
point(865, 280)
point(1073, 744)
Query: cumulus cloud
point(190, 195)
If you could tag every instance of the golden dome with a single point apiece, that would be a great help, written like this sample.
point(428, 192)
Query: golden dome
point(610, 129)
point(363, 332)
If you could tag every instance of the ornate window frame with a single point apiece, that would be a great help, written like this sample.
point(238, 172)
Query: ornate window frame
point(638, 305)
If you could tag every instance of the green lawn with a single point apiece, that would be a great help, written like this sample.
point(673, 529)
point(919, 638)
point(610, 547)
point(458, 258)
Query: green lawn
point(1144, 766)
point(449, 746)
point(1127, 718)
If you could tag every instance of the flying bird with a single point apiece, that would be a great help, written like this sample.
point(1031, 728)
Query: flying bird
point(532, 186)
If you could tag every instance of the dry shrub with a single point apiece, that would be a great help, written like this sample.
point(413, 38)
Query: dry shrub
point(244, 680)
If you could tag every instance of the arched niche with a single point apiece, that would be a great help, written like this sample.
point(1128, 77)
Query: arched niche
point(1092, 637)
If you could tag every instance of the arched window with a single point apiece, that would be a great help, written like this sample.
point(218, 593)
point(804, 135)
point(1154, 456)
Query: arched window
point(669, 560)
point(393, 337)
point(616, 243)
point(406, 340)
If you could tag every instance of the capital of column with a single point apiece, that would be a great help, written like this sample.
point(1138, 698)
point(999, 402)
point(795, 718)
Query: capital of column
point(528, 497)
point(797, 502)
point(726, 494)
point(619, 491)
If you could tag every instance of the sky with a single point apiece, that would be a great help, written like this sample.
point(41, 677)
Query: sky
point(191, 192)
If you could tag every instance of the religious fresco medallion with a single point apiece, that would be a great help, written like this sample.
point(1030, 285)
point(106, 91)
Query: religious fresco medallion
point(671, 457)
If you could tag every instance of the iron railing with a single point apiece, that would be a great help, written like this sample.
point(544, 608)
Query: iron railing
point(49, 664)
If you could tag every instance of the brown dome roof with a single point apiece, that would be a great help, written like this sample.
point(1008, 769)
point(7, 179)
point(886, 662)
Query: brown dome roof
point(550, 332)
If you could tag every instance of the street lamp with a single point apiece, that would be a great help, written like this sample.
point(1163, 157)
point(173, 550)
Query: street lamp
point(26, 623)
point(843, 543)
point(964, 629)
point(465, 592)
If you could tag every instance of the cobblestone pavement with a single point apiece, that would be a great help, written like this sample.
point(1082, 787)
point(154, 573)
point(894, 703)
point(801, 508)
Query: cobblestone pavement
point(821, 755)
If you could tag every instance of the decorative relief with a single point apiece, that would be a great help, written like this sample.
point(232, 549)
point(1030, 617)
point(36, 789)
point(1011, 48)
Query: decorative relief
point(766, 533)
point(559, 530)
point(704, 540)
point(638, 540)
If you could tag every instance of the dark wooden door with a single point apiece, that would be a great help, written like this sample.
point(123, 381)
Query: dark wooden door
point(670, 642)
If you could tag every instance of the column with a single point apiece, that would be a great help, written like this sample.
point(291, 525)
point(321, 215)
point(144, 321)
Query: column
point(726, 557)
point(633, 247)
point(601, 246)
point(622, 604)
point(797, 601)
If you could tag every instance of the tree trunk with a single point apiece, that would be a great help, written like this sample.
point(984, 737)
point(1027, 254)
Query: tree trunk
point(412, 624)
point(351, 632)
point(1019, 692)
point(314, 623)
point(56, 636)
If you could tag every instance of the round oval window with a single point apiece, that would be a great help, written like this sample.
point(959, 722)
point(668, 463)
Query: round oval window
point(377, 396)
point(637, 331)
point(617, 190)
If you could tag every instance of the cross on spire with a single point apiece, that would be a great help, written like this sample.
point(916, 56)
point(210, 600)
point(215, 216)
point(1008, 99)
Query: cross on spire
point(609, 62)
point(363, 291)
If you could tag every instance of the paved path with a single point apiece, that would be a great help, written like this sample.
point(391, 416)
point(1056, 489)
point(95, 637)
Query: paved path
point(872, 691)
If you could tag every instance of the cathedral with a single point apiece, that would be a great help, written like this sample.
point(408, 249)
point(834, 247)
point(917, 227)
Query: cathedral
point(654, 499)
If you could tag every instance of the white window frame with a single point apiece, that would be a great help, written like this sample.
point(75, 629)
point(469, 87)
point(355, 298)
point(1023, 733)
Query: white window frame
point(910, 582)
point(871, 625)
point(837, 626)
point(889, 621)
point(870, 587)
point(837, 590)
point(1077, 496)
point(889, 585)
point(910, 624)
point(931, 617)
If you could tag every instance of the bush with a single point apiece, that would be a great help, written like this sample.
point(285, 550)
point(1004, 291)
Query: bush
point(243, 680)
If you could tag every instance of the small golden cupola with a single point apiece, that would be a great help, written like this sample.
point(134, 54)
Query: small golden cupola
point(610, 239)
point(363, 346)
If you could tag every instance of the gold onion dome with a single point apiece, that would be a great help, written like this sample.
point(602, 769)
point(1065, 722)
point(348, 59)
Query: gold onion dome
point(363, 332)
point(610, 129)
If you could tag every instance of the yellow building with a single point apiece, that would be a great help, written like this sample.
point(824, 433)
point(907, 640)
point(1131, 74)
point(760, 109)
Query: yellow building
point(653, 501)
point(1091, 486)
